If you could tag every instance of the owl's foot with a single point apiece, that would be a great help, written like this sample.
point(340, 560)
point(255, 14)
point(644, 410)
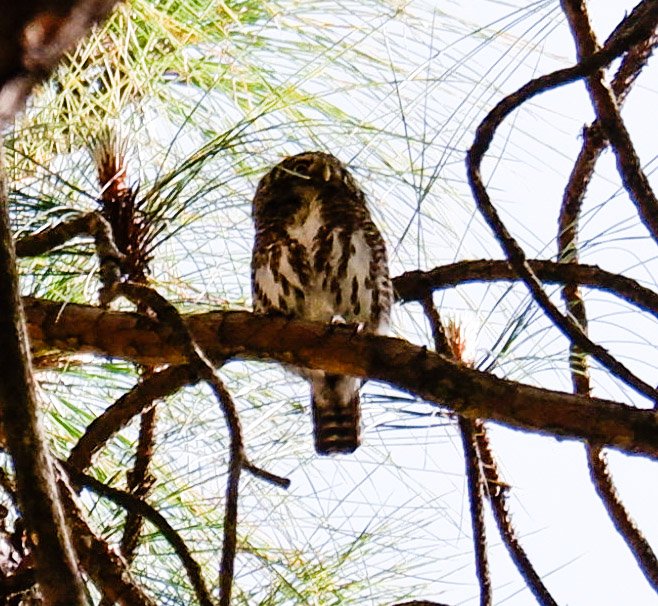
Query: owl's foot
point(339, 323)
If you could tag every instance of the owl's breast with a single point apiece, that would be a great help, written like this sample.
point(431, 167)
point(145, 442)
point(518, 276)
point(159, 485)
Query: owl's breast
point(306, 223)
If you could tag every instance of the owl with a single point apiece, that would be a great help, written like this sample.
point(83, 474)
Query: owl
point(318, 256)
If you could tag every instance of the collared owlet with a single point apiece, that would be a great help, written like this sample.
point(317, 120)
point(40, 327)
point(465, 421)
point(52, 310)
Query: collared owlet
point(318, 256)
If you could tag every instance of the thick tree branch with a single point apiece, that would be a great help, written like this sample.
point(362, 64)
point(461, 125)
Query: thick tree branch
point(57, 573)
point(225, 335)
point(413, 285)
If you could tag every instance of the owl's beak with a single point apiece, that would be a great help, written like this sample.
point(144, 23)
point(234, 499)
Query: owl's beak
point(326, 172)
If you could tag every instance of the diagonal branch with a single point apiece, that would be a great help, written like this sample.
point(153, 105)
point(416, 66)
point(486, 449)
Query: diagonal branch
point(497, 491)
point(129, 405)
point(139, 507)
point(243, 335)
point(594, 142)
point(636, 28)
point(108, 570)
point(644, 555)
point(607, 110)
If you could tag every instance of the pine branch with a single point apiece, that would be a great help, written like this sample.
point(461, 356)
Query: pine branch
point(223, 335)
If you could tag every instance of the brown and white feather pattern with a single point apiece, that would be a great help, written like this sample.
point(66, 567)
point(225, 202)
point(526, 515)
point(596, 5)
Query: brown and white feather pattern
point(318, 256)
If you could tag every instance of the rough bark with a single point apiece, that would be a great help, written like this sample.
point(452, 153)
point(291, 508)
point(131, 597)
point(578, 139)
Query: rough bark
point(236, 334)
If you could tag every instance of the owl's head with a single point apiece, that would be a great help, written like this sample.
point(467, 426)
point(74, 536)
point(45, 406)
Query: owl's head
point(303, 177)
point(313, 168)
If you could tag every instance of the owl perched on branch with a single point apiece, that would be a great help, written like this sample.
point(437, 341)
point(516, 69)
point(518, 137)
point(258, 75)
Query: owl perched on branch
point(318, 256)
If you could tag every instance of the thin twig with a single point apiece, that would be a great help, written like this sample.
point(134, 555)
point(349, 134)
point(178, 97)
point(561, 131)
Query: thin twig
point(482, 469)
point(90, 224)
point(140, 481)
point(594, 142)
point(139, 507)
point(474, 480)
point(168, 315)
point(497, 491)
point(636, 29)
point(476, 496)
point(644, 555)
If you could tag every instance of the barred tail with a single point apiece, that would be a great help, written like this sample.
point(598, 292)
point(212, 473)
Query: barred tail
point(336, 414)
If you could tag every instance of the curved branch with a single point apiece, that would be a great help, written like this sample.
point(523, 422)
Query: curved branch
point(237, 334)
point(118, 415)
point(594, 142)
point(636, 29)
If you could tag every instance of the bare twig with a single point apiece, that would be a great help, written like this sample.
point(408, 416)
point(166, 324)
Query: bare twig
point(139, 507)
point(636, 29)
point(594, 142)
point(476, 496)
point(238, 334)
point(57, 573)
point(140, 481)
point(168, 315)
point(497, 491)
point(642, 552)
